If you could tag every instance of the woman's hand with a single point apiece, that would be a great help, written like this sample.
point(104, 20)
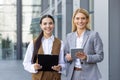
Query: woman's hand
point(56, 68)
point(37, 66)
point(81, 55)
point(68, 57)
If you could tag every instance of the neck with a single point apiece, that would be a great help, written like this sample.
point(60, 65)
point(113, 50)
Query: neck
point(47, 35)
point(80, 31)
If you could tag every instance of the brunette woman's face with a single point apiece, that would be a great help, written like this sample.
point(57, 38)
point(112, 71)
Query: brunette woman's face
point(80, 21)
point(47, 26)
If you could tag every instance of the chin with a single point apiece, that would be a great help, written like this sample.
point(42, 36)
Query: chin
point(48, 32)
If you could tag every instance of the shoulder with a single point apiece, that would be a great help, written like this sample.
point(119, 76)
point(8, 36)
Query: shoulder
point(93, 33)
point(70, 34)
point(57, 39)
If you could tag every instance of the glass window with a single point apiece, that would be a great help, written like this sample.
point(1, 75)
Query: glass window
point(7, 29)
point(31, 17)
point(91, 10)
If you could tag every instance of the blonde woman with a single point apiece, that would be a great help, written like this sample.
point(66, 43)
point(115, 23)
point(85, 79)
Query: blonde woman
point(84, 67)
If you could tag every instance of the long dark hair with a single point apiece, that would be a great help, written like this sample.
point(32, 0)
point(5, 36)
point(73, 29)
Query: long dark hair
point(38, 40)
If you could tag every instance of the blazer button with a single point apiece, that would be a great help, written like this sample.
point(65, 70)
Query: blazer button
point(81, 62)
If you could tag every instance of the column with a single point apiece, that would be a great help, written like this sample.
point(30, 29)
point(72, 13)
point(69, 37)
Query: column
point(19, 29)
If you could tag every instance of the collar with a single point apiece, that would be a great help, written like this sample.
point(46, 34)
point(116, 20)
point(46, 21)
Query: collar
point(81, 34)
point(50, 38)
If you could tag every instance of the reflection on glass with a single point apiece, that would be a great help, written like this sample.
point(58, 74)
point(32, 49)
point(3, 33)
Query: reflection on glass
point(7, 29)
point(31, 16)
point(91, 10)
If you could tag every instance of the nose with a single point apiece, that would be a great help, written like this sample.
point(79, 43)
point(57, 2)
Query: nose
point(48, 25)
point(80, 20)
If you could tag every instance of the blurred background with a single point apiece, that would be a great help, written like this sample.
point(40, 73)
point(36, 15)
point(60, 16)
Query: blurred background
point(19, 24)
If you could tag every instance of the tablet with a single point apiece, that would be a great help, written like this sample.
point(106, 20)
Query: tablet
point(47, 61)
point(74, 51)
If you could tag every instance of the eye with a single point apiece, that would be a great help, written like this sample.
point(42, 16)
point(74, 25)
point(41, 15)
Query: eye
point(83, 18)
point(77, 18)
point(50, 23)
point(45, 23)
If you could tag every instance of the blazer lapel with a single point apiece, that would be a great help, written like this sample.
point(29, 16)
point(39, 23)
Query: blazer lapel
point(73, 41)
point(85, 38)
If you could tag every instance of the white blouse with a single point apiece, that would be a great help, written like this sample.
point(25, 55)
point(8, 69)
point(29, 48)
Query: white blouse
point(47, 48)
point(79, 42)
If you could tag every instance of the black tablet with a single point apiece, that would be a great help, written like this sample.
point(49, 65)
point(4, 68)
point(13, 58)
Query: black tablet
point(47, 61)
point(74, 51)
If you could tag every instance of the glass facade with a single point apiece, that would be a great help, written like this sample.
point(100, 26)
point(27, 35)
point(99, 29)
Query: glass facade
point(91, 11)
point(32, 10)
point(7, 29)
point(30, 22)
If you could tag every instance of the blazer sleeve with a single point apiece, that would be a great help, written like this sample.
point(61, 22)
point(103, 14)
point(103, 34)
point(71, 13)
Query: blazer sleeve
point(98, 50)
point(66, 47)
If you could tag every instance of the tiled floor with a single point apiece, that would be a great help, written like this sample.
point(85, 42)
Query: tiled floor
point(13, 70)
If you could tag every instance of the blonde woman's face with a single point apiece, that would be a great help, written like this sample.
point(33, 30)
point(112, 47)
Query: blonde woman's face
point(80, 21)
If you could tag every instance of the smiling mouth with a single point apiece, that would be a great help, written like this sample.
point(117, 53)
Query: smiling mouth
point(80, 24)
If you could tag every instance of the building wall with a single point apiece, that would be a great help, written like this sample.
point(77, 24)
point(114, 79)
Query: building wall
point(101, 25)
point(84, 4)
point(114, 39)
point(67, 11)
point(44, 4)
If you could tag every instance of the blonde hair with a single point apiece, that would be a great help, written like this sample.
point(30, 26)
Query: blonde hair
point(85, 12)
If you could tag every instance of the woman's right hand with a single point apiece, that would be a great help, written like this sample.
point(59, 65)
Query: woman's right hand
point(68, 57)
point(37, 66)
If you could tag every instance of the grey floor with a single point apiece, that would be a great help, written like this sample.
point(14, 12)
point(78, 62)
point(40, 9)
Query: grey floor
point(13, 70)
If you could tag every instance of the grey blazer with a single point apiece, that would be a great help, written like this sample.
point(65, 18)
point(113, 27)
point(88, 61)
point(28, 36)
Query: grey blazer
point(93, 48)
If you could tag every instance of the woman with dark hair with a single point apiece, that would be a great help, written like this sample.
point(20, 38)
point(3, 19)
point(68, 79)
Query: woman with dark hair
point(46, 44)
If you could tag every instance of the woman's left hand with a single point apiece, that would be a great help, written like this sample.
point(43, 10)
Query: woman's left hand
point(56, 68)
point(81, 55)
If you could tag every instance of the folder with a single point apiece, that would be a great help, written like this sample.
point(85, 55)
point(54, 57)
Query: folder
point(47, 61)
point(74, 51)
